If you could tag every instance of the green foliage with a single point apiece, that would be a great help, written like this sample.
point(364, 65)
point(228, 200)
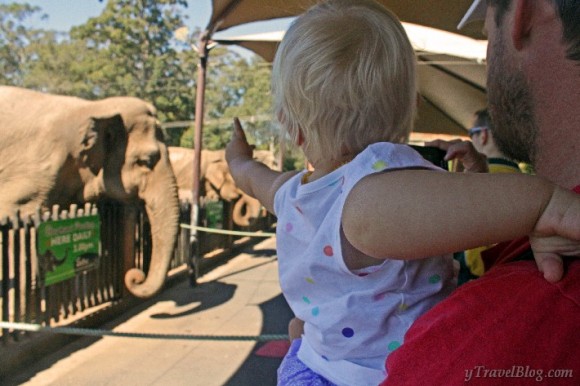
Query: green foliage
point(293, 160)
point(15, 39)
point(213, 211)
point(140, 48)
point(236, 87)
point(137, 55)
point(58, 66)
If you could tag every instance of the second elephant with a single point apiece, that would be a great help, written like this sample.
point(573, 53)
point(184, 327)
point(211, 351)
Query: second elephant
point(216, 182)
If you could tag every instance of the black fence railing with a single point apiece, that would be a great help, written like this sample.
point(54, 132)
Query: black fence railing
point(26, 299)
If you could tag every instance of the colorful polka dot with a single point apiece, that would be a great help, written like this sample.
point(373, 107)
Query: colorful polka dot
point(310, 280)
point(289, 227)
point(434, 279)
point(315, 311)
point(380, 296)
point(403, 307)
point(306, 300)
point(328, 251)
point(393, 345)
point(379, 165)
point(347, 332)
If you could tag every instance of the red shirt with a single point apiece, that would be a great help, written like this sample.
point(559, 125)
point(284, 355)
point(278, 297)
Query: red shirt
point(509, 327)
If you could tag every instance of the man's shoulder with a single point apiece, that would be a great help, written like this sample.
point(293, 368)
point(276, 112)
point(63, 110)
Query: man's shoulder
point(510, 316)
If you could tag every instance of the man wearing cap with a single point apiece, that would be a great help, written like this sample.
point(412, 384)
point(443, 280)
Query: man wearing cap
point(513, 326)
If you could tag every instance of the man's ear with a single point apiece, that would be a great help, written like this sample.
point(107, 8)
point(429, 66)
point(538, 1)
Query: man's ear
point(523, 13)
point(484, 135)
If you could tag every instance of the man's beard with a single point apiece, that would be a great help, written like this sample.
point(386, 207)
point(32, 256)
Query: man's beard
point(511, 108)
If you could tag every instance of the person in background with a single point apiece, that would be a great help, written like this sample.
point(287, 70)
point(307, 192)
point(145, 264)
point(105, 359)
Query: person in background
point(513, 325)
point(481, 135)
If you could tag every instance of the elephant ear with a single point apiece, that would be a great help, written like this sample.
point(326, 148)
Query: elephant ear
point(98, 137)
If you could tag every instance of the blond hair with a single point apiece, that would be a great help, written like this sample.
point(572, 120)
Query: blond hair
point(344, 76)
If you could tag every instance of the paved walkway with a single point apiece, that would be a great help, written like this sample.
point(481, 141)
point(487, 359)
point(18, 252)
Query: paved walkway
point(241, 297)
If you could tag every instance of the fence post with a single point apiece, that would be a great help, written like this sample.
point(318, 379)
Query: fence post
point(129, 221)
point(5, 277)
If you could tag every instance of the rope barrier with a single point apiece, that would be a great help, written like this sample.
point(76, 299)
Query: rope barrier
point(226, 232)
point(99, 333)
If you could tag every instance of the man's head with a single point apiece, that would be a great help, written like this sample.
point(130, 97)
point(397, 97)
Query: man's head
point(481, 135)
point(519, 53)
point(568, 11)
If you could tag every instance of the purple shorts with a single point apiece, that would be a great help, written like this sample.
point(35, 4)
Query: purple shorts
point(292, 372)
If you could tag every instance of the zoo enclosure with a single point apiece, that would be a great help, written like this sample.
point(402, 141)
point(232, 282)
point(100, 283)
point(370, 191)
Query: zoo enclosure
point(125, 243)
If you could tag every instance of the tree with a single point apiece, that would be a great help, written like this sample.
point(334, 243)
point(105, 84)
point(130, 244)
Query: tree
point(136, 54)
point(236, 87)
point(139, 48)
point(15, 38)
point(57, 66)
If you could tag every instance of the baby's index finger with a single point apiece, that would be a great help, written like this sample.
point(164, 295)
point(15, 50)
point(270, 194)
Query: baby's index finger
point(238, 131)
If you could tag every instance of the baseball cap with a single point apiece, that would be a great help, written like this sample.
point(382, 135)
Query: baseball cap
point(475, 12)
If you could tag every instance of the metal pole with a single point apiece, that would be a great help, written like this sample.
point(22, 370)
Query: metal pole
point(197, 144)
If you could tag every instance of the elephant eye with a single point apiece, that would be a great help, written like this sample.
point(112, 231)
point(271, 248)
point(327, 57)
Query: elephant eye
point(148, 161)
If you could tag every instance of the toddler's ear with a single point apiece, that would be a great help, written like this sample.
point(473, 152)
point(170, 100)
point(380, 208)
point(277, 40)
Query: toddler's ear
point(300, 141)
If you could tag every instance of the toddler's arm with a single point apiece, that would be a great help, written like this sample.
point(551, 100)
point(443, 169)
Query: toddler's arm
point(253, 177)
point(411, 214)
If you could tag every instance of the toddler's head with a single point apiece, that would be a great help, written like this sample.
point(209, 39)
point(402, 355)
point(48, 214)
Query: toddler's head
point(344, 76)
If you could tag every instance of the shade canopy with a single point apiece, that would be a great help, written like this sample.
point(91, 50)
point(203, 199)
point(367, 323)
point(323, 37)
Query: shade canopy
point(441, 14)
point(451, 71)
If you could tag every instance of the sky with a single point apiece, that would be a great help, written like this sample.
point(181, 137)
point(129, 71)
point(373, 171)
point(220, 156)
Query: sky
point(63, 14)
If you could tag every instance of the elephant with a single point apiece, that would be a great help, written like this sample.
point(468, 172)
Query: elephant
point(216, 181)
point(62, 150)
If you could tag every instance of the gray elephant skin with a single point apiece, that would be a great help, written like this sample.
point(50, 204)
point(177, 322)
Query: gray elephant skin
point(62, 150)
point(216, 182)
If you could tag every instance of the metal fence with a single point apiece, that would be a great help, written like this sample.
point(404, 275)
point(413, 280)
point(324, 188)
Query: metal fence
point(24, 298)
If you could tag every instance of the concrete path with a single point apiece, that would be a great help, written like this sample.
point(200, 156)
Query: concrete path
point(241, 297)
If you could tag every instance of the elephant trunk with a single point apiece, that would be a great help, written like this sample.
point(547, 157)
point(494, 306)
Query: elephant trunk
point(245, 210)
point(162, 206)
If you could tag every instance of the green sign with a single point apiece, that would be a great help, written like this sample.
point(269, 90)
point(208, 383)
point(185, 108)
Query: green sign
point(66, 247)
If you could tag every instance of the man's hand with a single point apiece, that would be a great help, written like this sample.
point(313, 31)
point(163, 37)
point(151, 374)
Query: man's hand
point(557, 233)
point(472, 160)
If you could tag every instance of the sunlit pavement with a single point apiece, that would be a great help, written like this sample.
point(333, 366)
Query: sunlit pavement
point(241, 297)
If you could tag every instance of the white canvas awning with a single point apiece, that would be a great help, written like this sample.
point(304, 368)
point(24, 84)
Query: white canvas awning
point(451, 70)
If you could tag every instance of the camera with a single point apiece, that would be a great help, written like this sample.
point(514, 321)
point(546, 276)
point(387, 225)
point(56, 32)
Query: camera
point(432, 154)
